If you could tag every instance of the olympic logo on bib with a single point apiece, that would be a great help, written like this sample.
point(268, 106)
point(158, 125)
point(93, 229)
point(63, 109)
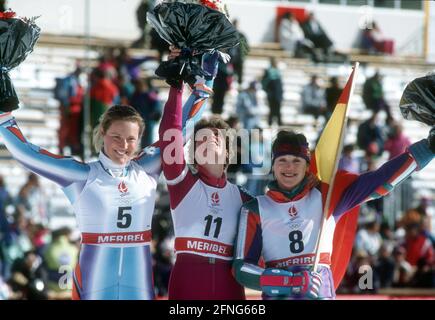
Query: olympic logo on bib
point(122, 187)
point(293, 212)
point(215, 198)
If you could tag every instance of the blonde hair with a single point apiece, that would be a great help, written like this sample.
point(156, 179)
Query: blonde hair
point(115, 113)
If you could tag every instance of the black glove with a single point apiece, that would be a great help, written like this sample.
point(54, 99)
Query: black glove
point(431, 139)
point(183, 68)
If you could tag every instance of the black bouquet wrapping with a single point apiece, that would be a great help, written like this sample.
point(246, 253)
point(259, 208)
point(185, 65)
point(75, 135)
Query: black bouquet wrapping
point(418, 100)
point(17, 38)
point(195, 29)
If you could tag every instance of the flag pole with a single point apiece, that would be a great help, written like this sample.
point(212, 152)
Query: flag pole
point(331, 182)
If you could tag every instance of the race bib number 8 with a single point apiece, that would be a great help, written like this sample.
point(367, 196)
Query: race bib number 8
point(296, 243)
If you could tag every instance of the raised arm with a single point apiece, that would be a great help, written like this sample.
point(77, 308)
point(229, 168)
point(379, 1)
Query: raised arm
point(191, 112)
point(61, 170)
point(193, 108)
point(378, 183)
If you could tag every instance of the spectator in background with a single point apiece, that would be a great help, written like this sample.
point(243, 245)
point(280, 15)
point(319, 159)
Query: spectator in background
point(313, 98)
point(424, 276)
point(314, 32)
point(222, 84)
point(32, 201)
point(29, 277)
point(2, 5)
point(5, 200)
point(416, 215)
point(104, 93)
point(403, 271)
point(5, 291)
point(374, 42)
point(370, 136)
point(145, 100)
point(332, 94)
point(272, 85)
point(419, 249)
point(384, 268)
point(107, 64)
point(247, 106)
point(238, 53)
point(368, 239)
point(40, 237)
point(126, 89)
point(396, 142)
point(292, 38)
point(373, 95)
point(348, 162)
point(388, 237)
point(70, 94)
point(15, 243)
point(141, 18)
point(60, 257)
point(129, 66)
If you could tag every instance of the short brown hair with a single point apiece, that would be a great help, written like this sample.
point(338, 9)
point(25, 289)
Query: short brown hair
point(115, 113)
point(215, 122)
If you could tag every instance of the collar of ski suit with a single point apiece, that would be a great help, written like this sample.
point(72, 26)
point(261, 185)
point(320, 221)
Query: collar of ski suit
point(301, 190)
point(210, 180)
point(114, 169)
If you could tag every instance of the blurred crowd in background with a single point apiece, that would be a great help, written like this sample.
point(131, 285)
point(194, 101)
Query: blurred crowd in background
point(37, 262)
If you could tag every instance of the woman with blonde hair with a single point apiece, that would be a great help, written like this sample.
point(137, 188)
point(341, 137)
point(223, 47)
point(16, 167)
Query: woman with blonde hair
point(113, 199)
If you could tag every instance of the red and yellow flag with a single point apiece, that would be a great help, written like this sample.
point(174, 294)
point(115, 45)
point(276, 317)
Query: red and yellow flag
point(329, 147)
point(325, 165)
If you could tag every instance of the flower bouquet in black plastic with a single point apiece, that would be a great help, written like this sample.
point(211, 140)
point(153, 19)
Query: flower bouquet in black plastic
point(17, 38)
point(196, 27)
point(418, 100)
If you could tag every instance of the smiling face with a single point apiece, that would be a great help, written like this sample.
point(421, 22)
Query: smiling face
point(289, 171)
point(210, 146)
point(121, 141)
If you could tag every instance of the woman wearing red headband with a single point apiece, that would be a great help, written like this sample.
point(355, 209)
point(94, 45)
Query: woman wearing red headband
point(282, 226)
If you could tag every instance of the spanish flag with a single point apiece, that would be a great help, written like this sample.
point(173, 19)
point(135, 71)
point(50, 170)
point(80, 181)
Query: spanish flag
point(325, 165)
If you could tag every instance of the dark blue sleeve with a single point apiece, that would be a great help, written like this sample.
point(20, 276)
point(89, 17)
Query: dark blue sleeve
point(375, 184)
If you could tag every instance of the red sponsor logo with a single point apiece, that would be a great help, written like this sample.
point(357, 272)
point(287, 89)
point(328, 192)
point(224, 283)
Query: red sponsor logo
point(215, 198)
point(128, 237)
point(293, 212)
point(204, 247)
point(121, 238)
point(122, 187)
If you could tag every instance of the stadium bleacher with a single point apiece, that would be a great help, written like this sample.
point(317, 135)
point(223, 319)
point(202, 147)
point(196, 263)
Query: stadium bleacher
point(55, 56)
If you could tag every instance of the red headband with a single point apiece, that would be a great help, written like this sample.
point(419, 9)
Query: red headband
point(291, 149)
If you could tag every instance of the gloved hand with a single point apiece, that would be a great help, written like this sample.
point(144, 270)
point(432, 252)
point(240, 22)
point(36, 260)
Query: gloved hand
point(431, 139)
point(210, 63)
point(276, 282)
point(304, 284)
point(309, 287)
